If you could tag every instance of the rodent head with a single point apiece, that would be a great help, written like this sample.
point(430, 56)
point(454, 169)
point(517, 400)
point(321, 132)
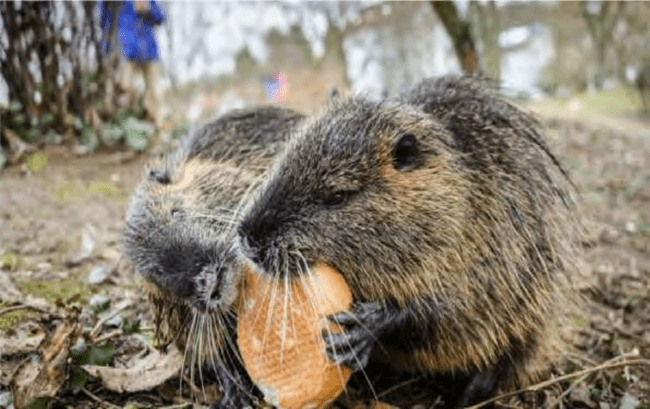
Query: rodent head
point(179, 231)
point(366, 187)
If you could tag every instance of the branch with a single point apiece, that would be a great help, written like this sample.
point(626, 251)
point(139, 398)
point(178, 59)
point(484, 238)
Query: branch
point(611, 364)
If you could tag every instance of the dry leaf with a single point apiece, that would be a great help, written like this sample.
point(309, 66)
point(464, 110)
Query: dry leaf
point(43, 376)
point(148, 373)
point(14, 346)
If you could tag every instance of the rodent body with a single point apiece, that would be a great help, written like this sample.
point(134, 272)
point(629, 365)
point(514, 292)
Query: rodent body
point(180, 236)
point(447, 215)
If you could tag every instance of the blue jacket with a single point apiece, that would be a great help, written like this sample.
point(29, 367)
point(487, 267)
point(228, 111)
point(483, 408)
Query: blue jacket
point(134, 32)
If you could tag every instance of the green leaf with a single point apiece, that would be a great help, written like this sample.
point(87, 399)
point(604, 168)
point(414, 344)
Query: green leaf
point(36, 161)
point(181, 131)
point(9, 261)
point(89, 139)
point(111, 134)
point(38, 403)
point(78, 123)
point(86, 354)
point(17, 120)
point(102, 355)
point(52, 138)
point(32, 135)
point(48, 119)
point(131, 327)
point(137, 139)
point(79, 378)
point(15, 106)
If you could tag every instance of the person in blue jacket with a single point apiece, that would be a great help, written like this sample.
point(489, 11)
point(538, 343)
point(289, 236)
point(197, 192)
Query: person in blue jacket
point(136, 20)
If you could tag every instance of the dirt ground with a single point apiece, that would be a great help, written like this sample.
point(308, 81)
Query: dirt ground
point(60, 243)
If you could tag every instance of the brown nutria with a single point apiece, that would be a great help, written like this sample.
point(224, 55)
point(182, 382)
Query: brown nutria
point(450, 219)
point(180, 231)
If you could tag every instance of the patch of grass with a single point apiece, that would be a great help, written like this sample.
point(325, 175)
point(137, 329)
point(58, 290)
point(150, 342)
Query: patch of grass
point(618, 101)
point(11, 319)
point(9, 261)
point(57, 290)
point(37, 161)
point(65, 192)
point(105, 188)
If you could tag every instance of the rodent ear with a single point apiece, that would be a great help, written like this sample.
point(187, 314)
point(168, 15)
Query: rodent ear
point(406, 152)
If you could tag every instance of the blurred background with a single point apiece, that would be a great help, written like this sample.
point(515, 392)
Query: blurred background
point(90, 90)
point(60, 84)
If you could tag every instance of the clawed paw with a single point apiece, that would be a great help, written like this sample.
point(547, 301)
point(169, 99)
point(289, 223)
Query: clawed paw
point(353, 345)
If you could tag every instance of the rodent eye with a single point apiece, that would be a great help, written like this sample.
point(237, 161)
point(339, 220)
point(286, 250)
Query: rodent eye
point(336, 198)
point(406, 152)
point(160, 176)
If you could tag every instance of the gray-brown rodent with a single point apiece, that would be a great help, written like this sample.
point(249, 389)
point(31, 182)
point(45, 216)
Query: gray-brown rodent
point(180, 236)
point(448, 216)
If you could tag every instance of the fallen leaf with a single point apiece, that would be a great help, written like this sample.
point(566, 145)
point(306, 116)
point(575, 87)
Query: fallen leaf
point(44, 374)
point(581, 396)
point(148, 373)
point(20, 346)
point(9, 292)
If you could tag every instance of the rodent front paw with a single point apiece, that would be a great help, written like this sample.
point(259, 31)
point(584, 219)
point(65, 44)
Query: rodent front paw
point(353, 345)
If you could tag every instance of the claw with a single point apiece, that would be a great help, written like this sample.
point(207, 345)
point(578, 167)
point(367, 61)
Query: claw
point(360, 329)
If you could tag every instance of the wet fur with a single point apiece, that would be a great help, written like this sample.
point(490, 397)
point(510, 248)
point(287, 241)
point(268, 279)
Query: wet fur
point(180, 235)
point(450, 219)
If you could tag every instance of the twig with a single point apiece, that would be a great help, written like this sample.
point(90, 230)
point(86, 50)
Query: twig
point(396, 387)
point(607, 365)
point(177, 406)
point(108, 336)
point(568, 390)
point(21, 307)
point(99, 400)
point(95, 330)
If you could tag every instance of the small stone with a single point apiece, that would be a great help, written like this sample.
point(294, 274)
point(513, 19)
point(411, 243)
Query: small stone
point(117, 321)
point(6, 400)
point(87, 247)
point(629, 402)
point(99, 274)
point(581, 395)
point(100, 302)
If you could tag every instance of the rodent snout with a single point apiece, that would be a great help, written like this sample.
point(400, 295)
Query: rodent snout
point(211, 287)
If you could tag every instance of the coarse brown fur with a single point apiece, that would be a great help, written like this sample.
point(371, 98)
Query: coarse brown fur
point(450, 219)
point(180, 234)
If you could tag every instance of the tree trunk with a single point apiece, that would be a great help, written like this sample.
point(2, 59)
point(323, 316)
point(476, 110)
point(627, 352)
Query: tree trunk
point(601, 28)
point(460, 34)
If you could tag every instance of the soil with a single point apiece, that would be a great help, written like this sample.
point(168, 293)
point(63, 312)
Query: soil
point(63, 222)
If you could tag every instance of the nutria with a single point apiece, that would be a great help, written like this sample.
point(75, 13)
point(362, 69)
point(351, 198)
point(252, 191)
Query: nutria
point(180, 237)
point(448, 216)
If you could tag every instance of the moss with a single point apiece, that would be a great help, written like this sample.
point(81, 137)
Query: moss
point(9, 261)
point(64, 193)
point(12, 319)
point(58, 290)
point(106, 188)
